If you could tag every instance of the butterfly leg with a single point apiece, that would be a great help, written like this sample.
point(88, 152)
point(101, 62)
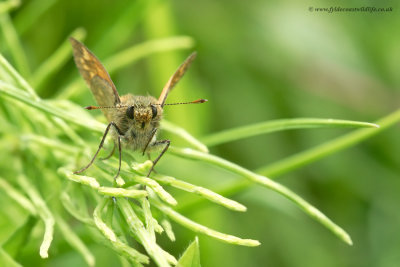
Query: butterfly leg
point(120, 156)
point(111, 153)
point(101, 145)
point(166, 144)
point(149, 158)
point(149, 141)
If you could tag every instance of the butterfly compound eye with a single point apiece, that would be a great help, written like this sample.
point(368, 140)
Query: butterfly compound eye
point(154, 111)
point(129, 112)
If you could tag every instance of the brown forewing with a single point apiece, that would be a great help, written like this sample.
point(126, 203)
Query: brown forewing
point(96, 77)
point(175, 78)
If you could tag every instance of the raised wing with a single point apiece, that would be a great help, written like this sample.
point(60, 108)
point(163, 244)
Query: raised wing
point(96, 77)
point(175, 78)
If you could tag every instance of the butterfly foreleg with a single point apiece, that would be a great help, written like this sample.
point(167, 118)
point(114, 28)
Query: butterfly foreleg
point(101, 145)
point(158, 143)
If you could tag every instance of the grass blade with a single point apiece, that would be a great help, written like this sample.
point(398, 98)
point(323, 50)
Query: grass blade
point(16, 77)
point(268, 183)
point(307, 157)
point(201, 191)
point(17, 196)
point(7, 260)
point(18, 94)
point(191, 256)
point(32, 11)
point(43, 212)
point(279, 125)
point(137, 228)
point(15, 243)
point(11, 39)
point(198, 228)
point(75, 241)
point(121, 192)
point(179, 131)
point(109, 234)
point(55, 62)
point(7, 6)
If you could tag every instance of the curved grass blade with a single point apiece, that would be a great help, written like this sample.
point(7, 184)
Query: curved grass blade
point(15, 243)
point(32, 11)
point(13, 43)
point(55, 62)
point(198, 228)
point(109, 234)
point(75, 241)
point(17, 196)
point(201, 191)
point(7, 260)
point(268, 183)
point(179, 131)
point(7, 6)
point(137, 227)
point(279, 125)
point(18, 94)
point(16, 77)
point(303, 158)
point(43, 212)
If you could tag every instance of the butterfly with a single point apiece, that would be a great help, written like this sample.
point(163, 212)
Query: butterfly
point(133, 120)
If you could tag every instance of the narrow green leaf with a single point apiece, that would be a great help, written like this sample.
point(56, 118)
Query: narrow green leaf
point(82, 179)
point(7, 6)
point(7, 260)
point(330, 147)
point(67, 203)
point(55, 62)
point(149, 220)
point(201, 191)
point(109, 234)
point(17, 79)
point(13, 43)
point(303, 158)
point(121, 192)
point(133, 177)
point(268, 183)
point(43, 212)
point(168, 229)
point(44, 106)
point(185, 135)
point(75, 241)
point(19, 238)
point(32, 11)
point(17, 196)
point(123, 26)
point(198, 228)
point(137, 228)
point(191, 256)
point(279, 125)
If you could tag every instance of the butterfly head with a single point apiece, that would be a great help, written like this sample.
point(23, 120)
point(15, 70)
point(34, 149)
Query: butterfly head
point(143, 115)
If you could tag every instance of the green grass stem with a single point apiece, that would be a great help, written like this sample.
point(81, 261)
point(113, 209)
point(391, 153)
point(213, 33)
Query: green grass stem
point(56, 61)
point(43, 212)
point(268, 183)
point(75, 241)
point(198, 228)
point(279, 125)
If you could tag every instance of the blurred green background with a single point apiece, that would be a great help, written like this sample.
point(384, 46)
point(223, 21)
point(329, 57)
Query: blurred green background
point(257, 61)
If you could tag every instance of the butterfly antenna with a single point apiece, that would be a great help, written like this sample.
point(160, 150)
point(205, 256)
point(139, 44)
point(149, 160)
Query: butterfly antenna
point(94, 107)
point(198, 101)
